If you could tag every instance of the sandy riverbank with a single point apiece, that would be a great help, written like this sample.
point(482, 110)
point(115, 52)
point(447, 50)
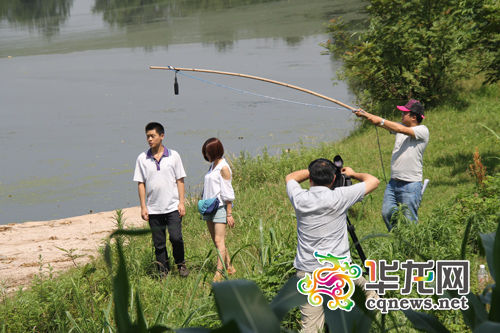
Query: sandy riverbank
point(24, 247)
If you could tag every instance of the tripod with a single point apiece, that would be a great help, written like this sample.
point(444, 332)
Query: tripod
point(357, 244)
point(343, 180)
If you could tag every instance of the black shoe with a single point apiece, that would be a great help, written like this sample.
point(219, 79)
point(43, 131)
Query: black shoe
point(183, 271)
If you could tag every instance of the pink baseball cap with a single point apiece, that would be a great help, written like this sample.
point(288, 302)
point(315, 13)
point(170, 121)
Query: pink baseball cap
point(412, 106)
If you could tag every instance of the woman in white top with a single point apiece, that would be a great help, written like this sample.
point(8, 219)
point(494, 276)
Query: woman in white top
point(217, 183)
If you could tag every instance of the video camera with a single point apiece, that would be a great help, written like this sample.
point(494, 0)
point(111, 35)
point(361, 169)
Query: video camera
point(340, 178)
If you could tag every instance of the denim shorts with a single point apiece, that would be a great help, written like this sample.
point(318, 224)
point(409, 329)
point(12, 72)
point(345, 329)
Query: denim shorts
point(218, 217)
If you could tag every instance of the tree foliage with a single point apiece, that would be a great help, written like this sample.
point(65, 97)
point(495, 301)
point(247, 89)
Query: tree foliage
point(489, 42)
point(417, 49)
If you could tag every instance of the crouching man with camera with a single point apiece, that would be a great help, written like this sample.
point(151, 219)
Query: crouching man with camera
point(322, 221)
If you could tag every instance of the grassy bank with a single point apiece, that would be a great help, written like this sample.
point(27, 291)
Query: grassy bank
point(263, 242)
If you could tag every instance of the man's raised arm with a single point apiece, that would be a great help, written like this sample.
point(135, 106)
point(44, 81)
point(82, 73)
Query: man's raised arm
point(371, 182)
point(384, 123)
point(299, 176)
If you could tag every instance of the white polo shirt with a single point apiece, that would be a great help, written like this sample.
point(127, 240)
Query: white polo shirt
point(162, 195)
point(322, 221)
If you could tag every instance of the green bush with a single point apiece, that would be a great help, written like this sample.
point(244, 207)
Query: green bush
point(480, 207)
point(417, 49)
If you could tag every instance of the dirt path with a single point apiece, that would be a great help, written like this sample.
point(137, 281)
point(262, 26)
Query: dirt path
point(25, 247)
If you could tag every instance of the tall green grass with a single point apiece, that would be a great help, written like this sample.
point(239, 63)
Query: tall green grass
point(262, 244)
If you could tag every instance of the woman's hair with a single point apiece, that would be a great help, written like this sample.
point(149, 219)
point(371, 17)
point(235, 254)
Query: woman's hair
point(212, 149)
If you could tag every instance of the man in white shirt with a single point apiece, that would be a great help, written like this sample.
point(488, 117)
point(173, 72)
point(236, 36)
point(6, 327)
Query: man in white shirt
point(322, 221)
point(405, 186)
point(160, 174)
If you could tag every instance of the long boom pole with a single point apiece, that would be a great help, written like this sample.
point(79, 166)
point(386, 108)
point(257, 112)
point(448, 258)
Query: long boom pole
point(171, 68)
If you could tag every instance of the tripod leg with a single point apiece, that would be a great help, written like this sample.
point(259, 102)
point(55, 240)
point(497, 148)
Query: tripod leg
point(354, 237)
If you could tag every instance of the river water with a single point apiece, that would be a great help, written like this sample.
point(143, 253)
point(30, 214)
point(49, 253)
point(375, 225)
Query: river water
point(76, 91)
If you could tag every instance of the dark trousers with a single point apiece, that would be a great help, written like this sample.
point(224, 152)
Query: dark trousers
point(159, 223)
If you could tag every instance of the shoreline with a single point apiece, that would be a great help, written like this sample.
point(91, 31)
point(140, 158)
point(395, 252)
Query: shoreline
point(39, 247)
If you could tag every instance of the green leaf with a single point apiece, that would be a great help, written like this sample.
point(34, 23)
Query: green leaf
point(495, 305)
point(193, 330)
point(141, 321)
point(133, 232)
point(121, 293)
point(359, 299)
point(357, 320)
point(242, 301)
point(495, 294)
point(466, 236)
point(347, 321)
point(158, 329)
point(287, 298)
point(107, 256)
point(230, 327)
point(73, 321)
point(488, 241)
point(475, 314)
point(425, 322)
point(492, 131)
point(488, 327)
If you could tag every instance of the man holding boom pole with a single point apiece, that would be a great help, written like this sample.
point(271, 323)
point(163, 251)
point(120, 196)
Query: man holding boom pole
point(405, 186)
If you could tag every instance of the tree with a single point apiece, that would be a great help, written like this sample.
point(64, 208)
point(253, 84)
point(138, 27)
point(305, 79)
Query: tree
point(417, 49)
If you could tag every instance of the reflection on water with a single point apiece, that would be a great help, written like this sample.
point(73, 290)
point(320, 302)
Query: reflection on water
point(76, 91)
point(105, 24)
point(125, 12)
point(46, 16)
